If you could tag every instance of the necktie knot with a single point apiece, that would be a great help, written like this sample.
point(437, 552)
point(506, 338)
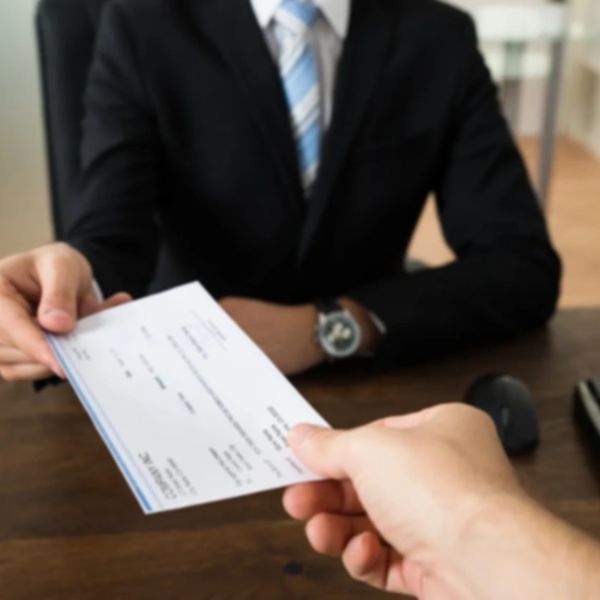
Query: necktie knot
point(297, 15)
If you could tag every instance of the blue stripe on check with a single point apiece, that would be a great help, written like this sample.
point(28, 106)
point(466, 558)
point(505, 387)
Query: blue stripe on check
point(101, 430)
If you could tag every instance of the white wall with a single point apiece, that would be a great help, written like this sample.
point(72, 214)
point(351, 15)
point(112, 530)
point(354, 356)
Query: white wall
point(23, 197)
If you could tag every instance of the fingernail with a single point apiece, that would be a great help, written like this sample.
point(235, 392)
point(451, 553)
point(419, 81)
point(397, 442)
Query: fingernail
point(299, 434)
point(57, 313)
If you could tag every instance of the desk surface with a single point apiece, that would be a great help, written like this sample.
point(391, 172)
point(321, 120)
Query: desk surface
point(70, 528)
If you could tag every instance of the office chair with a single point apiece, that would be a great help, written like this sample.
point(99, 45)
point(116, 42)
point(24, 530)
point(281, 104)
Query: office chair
point(65, 34)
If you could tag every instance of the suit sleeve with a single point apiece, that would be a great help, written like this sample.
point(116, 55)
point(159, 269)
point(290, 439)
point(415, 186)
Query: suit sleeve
point(505, 278)
point(114, 221)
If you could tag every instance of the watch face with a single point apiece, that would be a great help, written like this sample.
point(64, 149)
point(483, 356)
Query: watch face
point(339, 334)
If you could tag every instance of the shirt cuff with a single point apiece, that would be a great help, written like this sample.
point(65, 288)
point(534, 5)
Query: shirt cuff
point(379, 324)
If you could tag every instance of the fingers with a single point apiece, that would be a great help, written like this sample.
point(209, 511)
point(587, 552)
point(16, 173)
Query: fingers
point(90, 305)
point(321, 450)
point(329, 534)
point(305, 500)
point(25, 335)
point(12, 356)
point(62, 286)
point(51, 282)
point(365, 559)
point(24, 372)
point(368, 561)
point(364, 555)
point(116, 300)
point(24, 351)
point(16, 365)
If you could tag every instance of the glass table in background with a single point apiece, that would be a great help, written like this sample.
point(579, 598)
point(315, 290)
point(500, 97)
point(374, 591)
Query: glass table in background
point(525, 41)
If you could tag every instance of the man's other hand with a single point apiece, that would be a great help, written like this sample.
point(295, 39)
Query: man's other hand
point(48, 288)
point(286, 334)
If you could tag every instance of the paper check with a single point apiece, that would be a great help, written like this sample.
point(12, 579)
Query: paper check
point(190, 409)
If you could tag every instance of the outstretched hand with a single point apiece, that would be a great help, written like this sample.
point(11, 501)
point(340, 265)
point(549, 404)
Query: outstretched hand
point(401, 495)
point(48, 289)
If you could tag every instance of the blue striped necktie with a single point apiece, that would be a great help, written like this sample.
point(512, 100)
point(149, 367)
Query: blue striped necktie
point(300, 75)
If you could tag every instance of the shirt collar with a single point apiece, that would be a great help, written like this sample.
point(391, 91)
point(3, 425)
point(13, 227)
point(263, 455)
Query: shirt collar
point(337, 13)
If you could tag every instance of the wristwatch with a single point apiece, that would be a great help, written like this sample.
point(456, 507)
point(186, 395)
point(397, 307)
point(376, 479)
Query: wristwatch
point(338, 332)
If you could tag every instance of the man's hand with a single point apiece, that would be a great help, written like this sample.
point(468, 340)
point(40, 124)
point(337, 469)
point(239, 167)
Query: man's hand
point(286, 334)
point(428, 505)
point(48, 288)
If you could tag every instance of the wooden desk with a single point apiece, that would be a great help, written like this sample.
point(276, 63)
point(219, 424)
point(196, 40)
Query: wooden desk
point(70, 528)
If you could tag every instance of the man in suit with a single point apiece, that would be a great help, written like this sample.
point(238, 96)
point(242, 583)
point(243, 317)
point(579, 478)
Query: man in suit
point(281, 151)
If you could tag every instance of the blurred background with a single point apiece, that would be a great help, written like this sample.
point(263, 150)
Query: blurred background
point(544, 55)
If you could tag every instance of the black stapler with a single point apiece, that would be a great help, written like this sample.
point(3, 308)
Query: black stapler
point(587, 406)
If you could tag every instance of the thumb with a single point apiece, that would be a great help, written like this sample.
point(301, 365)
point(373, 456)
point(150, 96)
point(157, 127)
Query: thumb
point(321, 449)
point(60, 282)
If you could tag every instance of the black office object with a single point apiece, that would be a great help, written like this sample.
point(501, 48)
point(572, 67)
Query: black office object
point(587, 407)
point(66, 32)
point(508, 402)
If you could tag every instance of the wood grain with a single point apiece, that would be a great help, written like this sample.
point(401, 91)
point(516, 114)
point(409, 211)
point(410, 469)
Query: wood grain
point(70, 528)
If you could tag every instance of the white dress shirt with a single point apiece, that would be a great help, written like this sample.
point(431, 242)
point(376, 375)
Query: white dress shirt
point(326, 38)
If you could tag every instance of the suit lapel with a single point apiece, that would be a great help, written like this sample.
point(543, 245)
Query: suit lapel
point(232, 28)
point(364, 52)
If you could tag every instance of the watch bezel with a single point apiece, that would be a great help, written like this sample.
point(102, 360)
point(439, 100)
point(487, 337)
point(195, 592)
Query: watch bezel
point(330, 350)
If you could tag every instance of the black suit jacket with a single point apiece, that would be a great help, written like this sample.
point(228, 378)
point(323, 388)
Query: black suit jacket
point(189, 171)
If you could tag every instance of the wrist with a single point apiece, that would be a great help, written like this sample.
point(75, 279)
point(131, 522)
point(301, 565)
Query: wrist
point(511, 547)
point(370, 335)
point(344, 329)
point(313, 351)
